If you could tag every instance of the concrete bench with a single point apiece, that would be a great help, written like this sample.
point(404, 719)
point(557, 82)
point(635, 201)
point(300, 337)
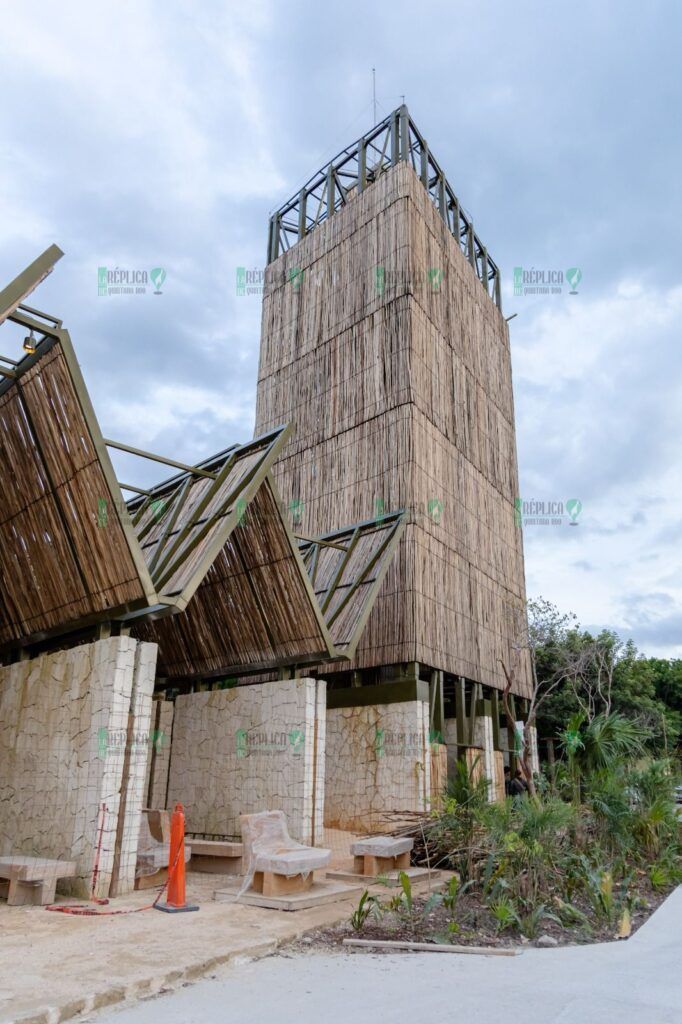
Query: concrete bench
point(380, 855)
point(216, 857)
point(32, 880)
point(277, 863)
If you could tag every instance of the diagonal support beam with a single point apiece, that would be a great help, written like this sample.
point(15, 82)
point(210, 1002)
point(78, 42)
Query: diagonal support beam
point(25, 282)
point(158, 458)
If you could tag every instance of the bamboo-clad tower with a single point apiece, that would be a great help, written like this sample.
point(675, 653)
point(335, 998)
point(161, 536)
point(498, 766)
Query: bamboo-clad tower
point(384, 345)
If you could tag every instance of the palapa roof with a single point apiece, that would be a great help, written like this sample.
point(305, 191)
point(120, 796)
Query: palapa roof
point(203, 563)
point(267, 601)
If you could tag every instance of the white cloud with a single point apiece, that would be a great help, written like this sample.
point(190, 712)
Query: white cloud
point(599, 409)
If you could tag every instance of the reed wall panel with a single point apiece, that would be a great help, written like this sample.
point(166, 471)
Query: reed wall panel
point(252, 608)
point(59, 561)
point(382, 349)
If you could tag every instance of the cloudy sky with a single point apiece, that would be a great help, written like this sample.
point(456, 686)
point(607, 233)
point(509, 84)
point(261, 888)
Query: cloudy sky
point(145, 134)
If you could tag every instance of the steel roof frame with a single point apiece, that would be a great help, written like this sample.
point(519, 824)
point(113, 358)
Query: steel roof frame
point(393, 140)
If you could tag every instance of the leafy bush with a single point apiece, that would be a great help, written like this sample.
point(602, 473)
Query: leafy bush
point(603, 817)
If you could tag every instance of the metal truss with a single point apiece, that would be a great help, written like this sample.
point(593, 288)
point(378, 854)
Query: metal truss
point(396, 138)
point(182, 523)
point(346, 569)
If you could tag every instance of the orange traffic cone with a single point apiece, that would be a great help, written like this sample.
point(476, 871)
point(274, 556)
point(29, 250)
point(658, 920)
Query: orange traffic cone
point(175, 900)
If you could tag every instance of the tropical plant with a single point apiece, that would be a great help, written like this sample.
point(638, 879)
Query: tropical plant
point(659, 876)
point(505, 913)
point(529, 923)
point(367, 905)
point(607, 740)
point(608, 901)
point(453, 892)
point(572, 916)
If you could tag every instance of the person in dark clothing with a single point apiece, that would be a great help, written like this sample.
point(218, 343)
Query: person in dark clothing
point(515, 786)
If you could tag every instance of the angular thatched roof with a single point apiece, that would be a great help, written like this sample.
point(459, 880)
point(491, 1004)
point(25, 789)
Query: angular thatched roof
point(204, 563)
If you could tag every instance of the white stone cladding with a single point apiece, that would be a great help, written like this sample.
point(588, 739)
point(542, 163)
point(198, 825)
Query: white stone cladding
point(135, 767)
point(63, 735)
point(378, 763)
point(247, 749)
point(534, 753)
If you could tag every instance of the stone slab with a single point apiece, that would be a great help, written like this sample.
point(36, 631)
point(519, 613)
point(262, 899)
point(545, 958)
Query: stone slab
point(215, 848)
point(64, 741)
point(318, 895)
point(30, 869)
point(247, 749)
point(378, 763)
point(381, 846)
point(393, 877)
point(216, 858)
point(292, 862)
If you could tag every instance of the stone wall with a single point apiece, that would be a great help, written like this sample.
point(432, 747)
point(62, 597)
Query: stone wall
point(158, 762)
point(134, 769)
point(378, 762)
point(250, 748)
point(64, 732)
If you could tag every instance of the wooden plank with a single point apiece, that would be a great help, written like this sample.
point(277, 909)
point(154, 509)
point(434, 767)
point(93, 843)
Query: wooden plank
point(429, 947)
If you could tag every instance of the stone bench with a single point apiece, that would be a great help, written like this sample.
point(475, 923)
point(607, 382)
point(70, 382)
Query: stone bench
point(276, 863)
point(32, 880)
point(216, 857)
point(153, 849)
point(379, 855)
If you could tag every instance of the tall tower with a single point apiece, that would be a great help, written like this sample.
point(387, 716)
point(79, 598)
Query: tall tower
point(384, 344)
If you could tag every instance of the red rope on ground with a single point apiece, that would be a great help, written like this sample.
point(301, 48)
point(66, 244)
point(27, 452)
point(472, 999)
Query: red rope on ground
point(83, 910)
